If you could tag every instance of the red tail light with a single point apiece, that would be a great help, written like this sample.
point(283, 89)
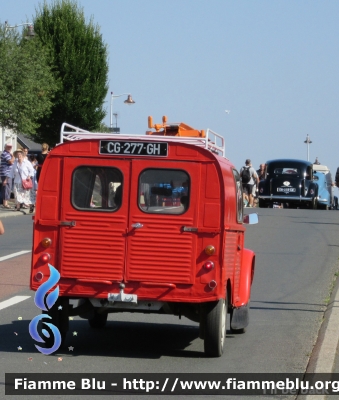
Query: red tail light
point(209, 265)
point(45, 257)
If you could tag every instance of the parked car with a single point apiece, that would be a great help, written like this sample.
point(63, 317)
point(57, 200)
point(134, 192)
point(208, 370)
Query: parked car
point(326, 200)
point(324, 196)
point(329, 184)
point(290, 183)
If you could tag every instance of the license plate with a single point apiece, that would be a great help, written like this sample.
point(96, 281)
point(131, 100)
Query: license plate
point(286, 190)
point(122, 298)
point(121, 148)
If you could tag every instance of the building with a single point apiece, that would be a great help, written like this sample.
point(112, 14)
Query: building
point(8, 136)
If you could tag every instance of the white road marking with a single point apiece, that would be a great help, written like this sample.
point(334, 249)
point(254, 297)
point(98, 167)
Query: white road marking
point(12, 301)
point(19, 253)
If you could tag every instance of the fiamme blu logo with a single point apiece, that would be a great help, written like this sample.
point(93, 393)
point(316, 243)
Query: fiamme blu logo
point(51, 336)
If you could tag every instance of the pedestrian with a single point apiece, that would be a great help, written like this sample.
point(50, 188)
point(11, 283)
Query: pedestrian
point(6, 164)
point(25, 153)
point(23, 170)
point(41, 159)
point(33, 161)
point(2, 229)
point(249, 179)
point(261, 172)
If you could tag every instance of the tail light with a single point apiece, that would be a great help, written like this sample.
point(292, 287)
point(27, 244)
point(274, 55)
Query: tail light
point(45, 257)
point(39, 276)
point(209, 250)
point(209, 265)
point(46, 242)
point(212, 285)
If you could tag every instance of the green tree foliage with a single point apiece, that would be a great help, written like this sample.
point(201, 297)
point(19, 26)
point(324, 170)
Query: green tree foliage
point(78, 57)
point(27, 84)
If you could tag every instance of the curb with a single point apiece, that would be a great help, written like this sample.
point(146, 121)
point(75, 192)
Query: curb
point(12, 213)
point(323, 357)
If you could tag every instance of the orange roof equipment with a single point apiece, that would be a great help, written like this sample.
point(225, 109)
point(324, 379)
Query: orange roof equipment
point(173, 129)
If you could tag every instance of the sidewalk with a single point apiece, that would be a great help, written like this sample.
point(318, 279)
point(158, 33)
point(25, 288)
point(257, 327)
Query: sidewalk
point(5, 212)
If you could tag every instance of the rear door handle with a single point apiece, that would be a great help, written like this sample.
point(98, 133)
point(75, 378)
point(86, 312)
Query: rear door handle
point(137, 225)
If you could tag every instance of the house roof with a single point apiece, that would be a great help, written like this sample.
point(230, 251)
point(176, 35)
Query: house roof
point(27, 143)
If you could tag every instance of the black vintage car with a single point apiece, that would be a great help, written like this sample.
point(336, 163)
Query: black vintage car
point(290, 183)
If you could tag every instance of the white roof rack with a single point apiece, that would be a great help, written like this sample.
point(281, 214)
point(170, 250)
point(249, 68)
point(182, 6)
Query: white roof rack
point(213, 141)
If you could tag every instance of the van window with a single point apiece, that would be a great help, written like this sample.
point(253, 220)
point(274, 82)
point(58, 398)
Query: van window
point(96, 188)
point(164, 191)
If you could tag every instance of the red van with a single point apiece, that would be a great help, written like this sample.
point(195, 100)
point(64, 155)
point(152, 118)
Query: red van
point(150, 224)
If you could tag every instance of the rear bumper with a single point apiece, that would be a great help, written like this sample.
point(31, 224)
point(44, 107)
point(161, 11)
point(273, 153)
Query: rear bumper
point(285, 198)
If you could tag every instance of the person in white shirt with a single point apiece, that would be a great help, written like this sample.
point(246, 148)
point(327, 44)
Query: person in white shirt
point(22, 170)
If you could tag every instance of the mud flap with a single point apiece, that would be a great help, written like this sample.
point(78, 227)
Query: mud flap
point(240, 317)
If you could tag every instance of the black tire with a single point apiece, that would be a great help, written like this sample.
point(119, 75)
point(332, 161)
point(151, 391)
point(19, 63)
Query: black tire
point(215, 329)
point(99, 320)
point(59, 318)
point(262, 203)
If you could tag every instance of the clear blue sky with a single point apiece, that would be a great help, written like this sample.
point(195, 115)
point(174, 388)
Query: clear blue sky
point(273, 64)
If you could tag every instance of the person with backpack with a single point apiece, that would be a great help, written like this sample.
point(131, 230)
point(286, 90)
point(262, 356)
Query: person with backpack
point(249, 178)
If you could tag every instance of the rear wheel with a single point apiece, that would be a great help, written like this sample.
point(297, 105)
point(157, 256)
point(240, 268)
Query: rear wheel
point(98, 320)
point(215, 328)
point(60, 319)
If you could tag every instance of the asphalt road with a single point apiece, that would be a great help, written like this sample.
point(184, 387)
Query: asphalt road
point(297, 258)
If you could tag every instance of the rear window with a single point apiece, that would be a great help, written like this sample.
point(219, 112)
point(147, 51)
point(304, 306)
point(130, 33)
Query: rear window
point(164, 191)
point(97, 188)
point(287, 171)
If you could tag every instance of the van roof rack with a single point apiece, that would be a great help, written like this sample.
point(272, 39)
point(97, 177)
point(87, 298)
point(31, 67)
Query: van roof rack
point(174, 132)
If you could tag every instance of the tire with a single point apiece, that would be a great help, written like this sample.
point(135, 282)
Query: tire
point(99, 320)
point(262, 203)
point(215, 329)
point(59, 318)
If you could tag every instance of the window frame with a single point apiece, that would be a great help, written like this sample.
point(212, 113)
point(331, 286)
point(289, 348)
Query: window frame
point(94, 209)
point(139, 191)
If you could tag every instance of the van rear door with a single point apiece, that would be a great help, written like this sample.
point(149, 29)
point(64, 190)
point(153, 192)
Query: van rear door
point(124, 219)
point(94, 218)
point(163, 200)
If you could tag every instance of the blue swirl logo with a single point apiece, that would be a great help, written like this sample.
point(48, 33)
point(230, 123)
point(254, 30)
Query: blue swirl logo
point(45, 302)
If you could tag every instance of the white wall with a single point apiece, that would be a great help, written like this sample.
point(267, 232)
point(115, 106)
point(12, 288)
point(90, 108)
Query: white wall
point(7, 136)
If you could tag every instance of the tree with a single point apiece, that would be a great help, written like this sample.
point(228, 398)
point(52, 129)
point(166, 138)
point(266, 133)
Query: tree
point(78, 58)
point(27, 84)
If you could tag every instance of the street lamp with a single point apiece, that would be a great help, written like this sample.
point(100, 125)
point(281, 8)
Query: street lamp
point(129, 100)
point(30, 34)
point(308, 141)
